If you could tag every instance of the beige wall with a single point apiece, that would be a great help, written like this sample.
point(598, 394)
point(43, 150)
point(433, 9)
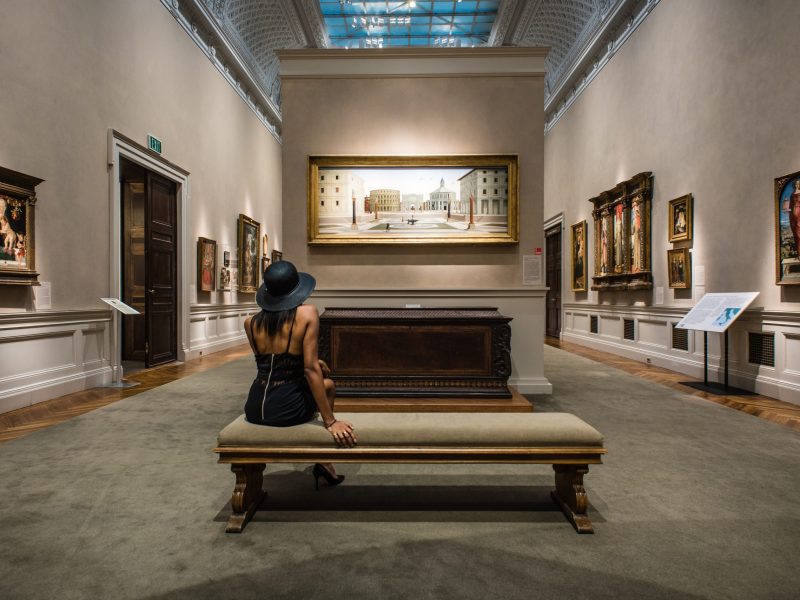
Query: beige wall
point(704, 95)
point(72, 69)
point(408, 115)
point(446, 112)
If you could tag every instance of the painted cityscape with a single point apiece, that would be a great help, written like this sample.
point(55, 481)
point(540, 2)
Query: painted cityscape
point(419, 202)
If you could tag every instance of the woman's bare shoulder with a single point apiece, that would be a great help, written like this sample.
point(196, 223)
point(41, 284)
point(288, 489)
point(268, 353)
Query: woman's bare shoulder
point(307, 312)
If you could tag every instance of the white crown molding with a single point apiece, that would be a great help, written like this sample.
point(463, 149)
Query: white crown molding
point(393, 62)
point(619, 25)
point(202, 26)
point(308, 15)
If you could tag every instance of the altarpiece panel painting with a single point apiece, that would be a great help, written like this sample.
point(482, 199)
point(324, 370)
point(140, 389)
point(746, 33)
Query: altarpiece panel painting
point(622, 235)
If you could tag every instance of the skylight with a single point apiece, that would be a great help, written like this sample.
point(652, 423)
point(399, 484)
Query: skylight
point(383, 24)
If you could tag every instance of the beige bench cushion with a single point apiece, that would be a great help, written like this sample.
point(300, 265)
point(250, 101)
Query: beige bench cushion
point(438, 430)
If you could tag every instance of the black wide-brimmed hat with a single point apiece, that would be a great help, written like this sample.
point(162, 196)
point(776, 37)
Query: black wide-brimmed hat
point(284, 287)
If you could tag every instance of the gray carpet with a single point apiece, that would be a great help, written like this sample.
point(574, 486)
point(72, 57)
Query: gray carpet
point(694, 501)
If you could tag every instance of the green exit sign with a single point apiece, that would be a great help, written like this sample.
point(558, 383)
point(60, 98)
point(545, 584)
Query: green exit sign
point(153, 143)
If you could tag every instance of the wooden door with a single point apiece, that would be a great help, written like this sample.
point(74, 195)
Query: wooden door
point(553, 275)
point(161, 249)
point(134, 334)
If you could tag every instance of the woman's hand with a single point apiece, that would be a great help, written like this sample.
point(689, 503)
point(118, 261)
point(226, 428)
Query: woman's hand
point(326, 370)
point(343, 433)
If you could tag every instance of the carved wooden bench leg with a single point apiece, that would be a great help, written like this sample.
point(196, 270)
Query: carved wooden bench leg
point(247, 495)
point(571, 497)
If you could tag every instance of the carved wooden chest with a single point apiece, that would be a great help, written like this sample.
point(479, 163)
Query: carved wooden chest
point(417, 352)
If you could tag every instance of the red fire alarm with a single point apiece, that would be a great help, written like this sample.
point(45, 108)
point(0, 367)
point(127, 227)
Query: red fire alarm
point(538, 251)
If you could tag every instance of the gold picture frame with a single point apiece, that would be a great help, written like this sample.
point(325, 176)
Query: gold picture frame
point(679, 268)
point(17, 220)
point(248, 238)
point(787, 229)
point(413, 199)
point(680, 219)
point(622, 237)
point(206, 265)
point(579, 256)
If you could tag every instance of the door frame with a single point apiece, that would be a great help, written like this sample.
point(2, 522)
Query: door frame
point(556, 220)
point(121, 146)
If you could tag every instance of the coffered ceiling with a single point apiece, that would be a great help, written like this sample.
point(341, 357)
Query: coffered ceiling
point(241, 36)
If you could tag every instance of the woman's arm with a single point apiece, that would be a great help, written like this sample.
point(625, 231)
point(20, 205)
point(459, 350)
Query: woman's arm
point(340, 430)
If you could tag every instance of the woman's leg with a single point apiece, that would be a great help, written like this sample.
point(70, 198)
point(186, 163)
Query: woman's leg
point(330, 394)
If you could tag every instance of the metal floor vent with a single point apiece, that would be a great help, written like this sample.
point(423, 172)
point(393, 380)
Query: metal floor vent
point(628, 329)
point(761, 348)
point(593, 324)
point(680, 338)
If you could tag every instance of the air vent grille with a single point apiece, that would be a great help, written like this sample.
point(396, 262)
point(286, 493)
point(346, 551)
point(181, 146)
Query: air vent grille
point(761, 348)
point(680, 338)
point(628, 329)
point(593, 323)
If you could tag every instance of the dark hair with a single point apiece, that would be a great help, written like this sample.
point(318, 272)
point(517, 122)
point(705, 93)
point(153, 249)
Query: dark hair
point(273, 321)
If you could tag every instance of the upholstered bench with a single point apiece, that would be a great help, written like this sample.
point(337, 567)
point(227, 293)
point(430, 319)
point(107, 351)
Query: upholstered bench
point(560, 439)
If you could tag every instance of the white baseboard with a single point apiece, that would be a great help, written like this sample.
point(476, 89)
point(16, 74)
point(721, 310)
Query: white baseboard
point(532, 385)
point(54, 353)
point(653, 345)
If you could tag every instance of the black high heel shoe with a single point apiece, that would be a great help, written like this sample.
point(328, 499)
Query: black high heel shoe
point(320, 471)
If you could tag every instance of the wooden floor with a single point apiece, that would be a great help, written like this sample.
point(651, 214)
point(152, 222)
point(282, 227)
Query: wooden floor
point(777, 411)
point(27, 420)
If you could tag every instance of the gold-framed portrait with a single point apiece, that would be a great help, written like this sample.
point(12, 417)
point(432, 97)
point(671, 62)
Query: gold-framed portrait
point(680, 219)
point(579, 256)
point(17, 216)
point(787, 229)
point(249, 232)
point(679, 268)
point(455, 199)
point(206, 264)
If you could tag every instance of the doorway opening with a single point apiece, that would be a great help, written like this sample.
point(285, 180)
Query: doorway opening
point(148, 266)
point(552, 238)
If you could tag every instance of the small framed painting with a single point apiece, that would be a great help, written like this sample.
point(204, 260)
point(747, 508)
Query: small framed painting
point(248, 239)
point(787, 229)
point(277, 255)
point(206, 264)
point(225, 279)
point(679, 268)
point(680, 219)
point(579, 256)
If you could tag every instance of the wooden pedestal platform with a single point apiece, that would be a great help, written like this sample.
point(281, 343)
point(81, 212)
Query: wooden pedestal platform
point(517, 403)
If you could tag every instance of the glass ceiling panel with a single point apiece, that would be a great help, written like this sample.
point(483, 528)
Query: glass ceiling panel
point(382, 23)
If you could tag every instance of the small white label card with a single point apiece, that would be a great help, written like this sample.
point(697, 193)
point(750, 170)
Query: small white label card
point(659, 295)
point(532, 269)
point(42, 296)
point(120, 306)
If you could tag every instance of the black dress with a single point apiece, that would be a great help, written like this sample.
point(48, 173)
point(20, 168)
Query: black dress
point(279, 395)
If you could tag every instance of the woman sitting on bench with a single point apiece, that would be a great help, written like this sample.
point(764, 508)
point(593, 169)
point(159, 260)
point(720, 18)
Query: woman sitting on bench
point(292, 383)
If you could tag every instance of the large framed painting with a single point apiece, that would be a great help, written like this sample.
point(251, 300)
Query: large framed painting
point(679, 268)
point(206, 265)
point(787, 229)
point(680, 219)
point(622, 236)
point(579, 257)
point(249, 233)
point(413, 199)
point(17, 256)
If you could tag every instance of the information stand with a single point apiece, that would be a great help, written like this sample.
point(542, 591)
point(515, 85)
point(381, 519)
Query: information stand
point(119, 307)
point(716, 312)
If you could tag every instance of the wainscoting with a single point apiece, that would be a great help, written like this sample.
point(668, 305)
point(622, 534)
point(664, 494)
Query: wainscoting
point(216, 327)
point(651, 330)
point(52, 353)
point(525, 306)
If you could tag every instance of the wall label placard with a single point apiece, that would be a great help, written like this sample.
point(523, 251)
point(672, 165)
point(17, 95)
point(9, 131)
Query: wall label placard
point(716, 312)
